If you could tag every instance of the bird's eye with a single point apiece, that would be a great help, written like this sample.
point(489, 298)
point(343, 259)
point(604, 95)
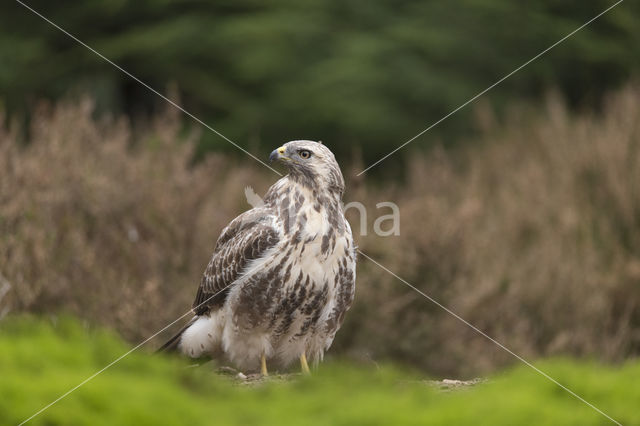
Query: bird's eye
point(304, 153)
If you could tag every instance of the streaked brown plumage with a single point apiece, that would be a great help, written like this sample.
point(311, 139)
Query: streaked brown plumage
point(282, 275)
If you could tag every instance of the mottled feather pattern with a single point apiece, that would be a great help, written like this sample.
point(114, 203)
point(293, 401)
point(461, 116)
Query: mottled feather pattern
point(282, 275)
point(244, 240)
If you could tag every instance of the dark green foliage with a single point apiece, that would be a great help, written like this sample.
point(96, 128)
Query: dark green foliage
point(358, 73)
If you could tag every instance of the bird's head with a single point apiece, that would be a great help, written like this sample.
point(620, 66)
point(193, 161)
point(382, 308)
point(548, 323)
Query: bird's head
point(310, 163)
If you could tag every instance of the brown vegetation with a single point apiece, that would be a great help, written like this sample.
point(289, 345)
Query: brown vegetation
point(531, 233)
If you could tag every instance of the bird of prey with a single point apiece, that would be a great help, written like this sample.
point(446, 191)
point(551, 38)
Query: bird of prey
point(282, 275)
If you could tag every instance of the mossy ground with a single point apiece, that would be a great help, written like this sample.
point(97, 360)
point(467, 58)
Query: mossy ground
point(39, 361)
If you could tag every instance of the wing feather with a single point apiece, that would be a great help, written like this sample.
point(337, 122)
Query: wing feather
point(246, 238)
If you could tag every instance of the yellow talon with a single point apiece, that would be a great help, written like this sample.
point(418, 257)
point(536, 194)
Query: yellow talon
point(263, 366)
point(304, 365)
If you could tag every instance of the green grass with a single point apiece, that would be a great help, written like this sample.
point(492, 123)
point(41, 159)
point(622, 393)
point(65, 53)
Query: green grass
point(40, 361)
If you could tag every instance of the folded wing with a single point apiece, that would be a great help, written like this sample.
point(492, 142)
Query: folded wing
point(248, 237)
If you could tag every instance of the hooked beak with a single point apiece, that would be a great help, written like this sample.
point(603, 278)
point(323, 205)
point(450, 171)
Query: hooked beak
point(277, 154)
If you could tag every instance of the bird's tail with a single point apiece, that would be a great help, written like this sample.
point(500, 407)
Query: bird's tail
point(172, 344)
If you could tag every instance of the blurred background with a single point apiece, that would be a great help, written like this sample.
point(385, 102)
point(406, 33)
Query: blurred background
point(521, 212)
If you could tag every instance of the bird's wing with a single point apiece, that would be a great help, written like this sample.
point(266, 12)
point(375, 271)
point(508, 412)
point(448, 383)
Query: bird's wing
point(246, 238)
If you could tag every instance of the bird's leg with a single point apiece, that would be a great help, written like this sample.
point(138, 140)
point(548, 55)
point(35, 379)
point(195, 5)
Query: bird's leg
point(263, 365)
point(303, 364)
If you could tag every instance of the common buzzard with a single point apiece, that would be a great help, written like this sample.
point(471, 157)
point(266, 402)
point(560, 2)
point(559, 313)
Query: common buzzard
point(282, 275)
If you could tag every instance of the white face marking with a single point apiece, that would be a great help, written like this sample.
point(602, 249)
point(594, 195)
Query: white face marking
point(321, 164)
